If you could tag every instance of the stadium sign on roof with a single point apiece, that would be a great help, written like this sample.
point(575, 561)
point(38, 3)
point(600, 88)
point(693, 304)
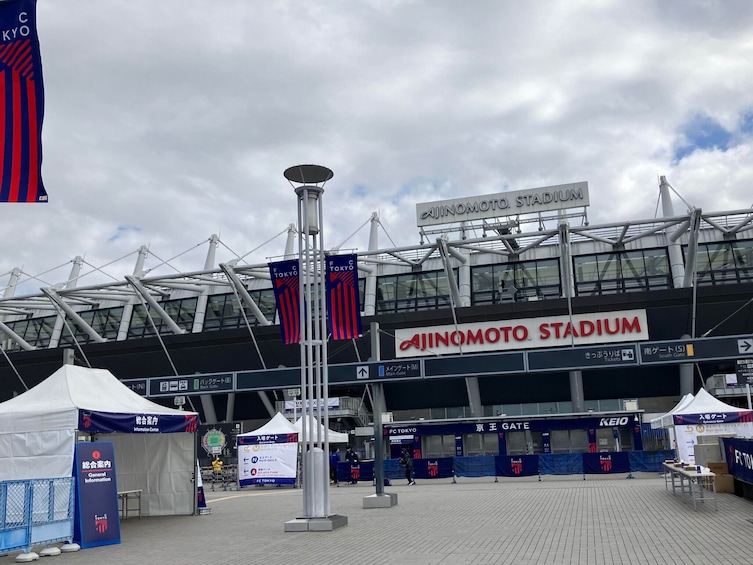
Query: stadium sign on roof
point(513, 203)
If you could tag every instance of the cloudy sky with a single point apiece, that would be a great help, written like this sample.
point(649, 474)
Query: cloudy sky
point(167, 121)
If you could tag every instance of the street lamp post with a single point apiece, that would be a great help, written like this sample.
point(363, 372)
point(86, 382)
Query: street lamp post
point(308, 182)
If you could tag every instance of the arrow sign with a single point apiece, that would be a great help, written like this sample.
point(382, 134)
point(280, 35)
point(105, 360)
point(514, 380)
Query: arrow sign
point(362, 372)
point(745, 345)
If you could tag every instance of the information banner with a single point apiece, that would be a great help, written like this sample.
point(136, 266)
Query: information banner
point(269, 459)
point(434, 468)
point(689, 428)
point(610, 462)
point(516, 466)
point(361, 471)
point(97, 517)
point(739, 453)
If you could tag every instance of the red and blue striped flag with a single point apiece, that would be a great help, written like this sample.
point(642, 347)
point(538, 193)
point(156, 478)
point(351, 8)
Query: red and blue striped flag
point(343, 300)
point(287, 298)
point(21, 104)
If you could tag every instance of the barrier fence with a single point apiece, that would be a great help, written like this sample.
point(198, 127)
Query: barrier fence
point(513, 466)
point(35, 512)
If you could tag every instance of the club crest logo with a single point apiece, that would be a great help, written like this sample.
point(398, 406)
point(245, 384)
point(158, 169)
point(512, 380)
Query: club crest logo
point(100, 523)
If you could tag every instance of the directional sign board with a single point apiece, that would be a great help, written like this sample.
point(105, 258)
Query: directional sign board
point(139, 386)
point(744, 370)
point(582, 357)
point(268, 380)
point(692, 350)
point(472, 365)
point(375, 372)
point(199, 384)
point(667, 351)
point(402, 369)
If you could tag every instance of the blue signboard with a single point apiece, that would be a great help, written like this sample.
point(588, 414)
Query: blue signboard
point(196, 384)
point(347, 471)
point(516, 465)
point(91, 421)
point(582, 357)
point(605, 463)
point(97, 518)
point(139, 386)
point(739, 454)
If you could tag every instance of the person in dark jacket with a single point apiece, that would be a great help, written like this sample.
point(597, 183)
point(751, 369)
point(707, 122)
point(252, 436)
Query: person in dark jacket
point(351, 457)
point(406, 462)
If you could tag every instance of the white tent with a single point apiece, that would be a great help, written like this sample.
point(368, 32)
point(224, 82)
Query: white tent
point(706, 415)
point(334, 437)
point(279, 424)
point(269, 454)
point(665, 420)
point(155, 446)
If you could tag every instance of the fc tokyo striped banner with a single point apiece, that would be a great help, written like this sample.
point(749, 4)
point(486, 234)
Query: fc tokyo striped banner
point(343, 303)
point(285, 284)
point(21, 104)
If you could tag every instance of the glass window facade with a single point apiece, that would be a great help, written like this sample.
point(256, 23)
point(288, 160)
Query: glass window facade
point(412, 292)
point(182, 311)
point(619, 272)
point(512, 282)
point(105, 322)
point(35, 331)
point(224, 311)
point(438, 446)
point(728, 262)
point(480, 444)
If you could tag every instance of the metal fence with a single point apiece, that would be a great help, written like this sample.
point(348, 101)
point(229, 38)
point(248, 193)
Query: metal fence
point(35, 512)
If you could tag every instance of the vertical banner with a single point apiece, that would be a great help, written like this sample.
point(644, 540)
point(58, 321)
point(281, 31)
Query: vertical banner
point(343, 300)
point(21, 104)
point(287, 298)
point(97, 519)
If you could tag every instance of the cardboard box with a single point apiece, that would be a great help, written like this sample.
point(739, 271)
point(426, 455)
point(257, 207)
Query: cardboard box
point(718, 467)
point(725, 483)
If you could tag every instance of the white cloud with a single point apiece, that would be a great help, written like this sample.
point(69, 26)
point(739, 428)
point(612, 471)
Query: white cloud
point(180, 116)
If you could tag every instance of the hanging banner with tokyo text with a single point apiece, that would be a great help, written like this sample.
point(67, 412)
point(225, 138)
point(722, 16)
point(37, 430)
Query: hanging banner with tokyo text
point(21, 104)
point(287, 298)
point(343, 300)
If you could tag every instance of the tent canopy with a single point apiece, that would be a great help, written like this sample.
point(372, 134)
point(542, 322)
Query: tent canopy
point(334, 437)
point(279, 424)
point(58, 402)
point(39, 429)
point(665, 420)
point(704, 402)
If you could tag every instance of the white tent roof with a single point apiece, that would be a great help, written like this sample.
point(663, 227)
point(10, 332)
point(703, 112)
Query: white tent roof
point(334, 437)
point(279, 424)
point(38, 437)
point(705, 402)
point(54, 403)
point(665, 421)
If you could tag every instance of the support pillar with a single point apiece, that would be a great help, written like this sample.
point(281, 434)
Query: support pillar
point(576, 391)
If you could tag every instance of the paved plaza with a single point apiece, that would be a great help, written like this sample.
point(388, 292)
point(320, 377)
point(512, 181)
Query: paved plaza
point(601, 520)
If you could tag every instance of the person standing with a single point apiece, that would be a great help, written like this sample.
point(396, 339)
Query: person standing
point(351, 457)
point(406, 462)
point(216, 470)
point(334, 459)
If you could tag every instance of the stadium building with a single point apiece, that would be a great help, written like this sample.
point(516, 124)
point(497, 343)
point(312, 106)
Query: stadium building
point(513, 306)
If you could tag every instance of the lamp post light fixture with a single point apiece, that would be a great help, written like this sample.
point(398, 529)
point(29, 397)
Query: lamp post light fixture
point(308, 182)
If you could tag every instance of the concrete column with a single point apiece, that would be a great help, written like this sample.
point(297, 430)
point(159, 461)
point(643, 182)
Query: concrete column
point(576, 391)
